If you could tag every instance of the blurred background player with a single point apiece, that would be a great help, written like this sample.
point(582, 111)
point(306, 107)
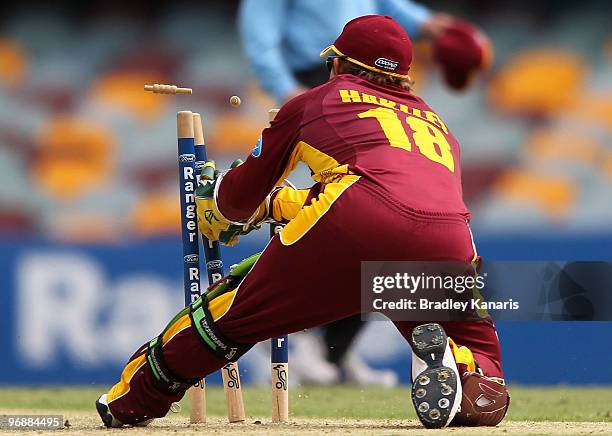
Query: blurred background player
point(282, 41)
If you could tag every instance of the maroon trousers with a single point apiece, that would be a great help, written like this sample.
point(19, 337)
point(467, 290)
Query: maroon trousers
point(315, 281)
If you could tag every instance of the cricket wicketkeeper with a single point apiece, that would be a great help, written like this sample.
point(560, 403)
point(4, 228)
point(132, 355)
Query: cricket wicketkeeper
point(387, 176)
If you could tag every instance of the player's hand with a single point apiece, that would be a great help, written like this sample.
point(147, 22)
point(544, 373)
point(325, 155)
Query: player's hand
point(436, 24)
point(211, 222)
point(260, 216)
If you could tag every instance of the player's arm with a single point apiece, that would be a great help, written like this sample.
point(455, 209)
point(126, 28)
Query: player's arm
point(417, 20)
point(260, 23)
point(412, 16)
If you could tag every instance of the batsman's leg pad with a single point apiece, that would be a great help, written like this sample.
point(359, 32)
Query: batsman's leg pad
point(231, 281)
point(210, 336)
point(164, 379)
point(485, 401)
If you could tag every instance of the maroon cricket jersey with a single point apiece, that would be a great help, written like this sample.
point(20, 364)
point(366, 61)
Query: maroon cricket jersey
point(401, 149)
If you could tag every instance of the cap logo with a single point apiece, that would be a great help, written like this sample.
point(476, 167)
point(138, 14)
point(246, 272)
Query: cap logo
point(386, 64)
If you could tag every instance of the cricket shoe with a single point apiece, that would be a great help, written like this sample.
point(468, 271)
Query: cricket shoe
point(107, 417)
point(436, 386)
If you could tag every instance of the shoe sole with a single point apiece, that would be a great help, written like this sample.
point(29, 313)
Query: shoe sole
point(435, 390)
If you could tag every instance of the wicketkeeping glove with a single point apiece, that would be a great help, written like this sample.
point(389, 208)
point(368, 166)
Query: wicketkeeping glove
point(211, 221)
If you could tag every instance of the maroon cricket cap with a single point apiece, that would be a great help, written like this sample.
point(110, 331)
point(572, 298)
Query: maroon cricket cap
point(461, 50)
point(375, 42)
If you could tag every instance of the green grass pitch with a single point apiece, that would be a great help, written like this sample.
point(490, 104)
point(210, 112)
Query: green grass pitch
point(341, 410)
point(527, 403)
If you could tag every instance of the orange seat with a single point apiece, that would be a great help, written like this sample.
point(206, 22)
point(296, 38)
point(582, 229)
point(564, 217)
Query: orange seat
point(13, 63)
point(538, 81)
point(124, 91)
point(554, 194)
point(594, 109)
point(74, 156)
point(155, 214)
point(554, 144)
point(233, 133)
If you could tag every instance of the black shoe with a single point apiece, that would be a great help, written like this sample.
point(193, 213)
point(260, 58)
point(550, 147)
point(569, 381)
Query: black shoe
point(107, 417)
point(436, 387)
point(109, 420)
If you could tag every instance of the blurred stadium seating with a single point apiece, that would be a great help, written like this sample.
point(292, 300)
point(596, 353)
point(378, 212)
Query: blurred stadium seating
point(80, 143)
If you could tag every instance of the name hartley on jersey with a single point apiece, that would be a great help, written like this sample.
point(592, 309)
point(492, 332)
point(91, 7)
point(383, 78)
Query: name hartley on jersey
point(354, 96)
